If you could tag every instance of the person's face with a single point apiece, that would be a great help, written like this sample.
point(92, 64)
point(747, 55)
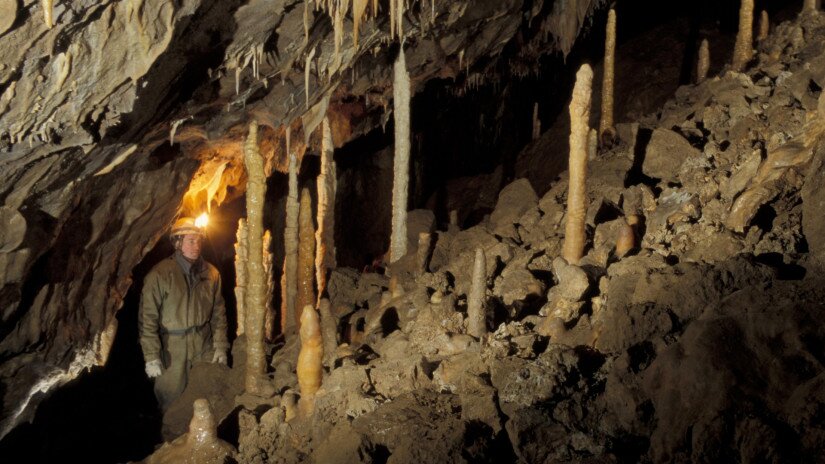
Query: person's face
point(191, 246)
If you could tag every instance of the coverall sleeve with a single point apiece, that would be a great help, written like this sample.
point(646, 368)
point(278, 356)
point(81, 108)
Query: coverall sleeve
point(219, 326)
point(151, 299)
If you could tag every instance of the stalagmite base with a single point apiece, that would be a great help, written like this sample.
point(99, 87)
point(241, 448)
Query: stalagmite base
point(309, 360)
point(256, 382)
point(476, 311)
point(574, 232)
point(401, 163)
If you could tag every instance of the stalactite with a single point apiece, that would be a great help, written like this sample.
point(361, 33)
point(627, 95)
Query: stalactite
point(359, 7)
point(536, 122)
point(329, 331)
point(271, 317)
point(48, 12)
point(401, 163)
point(764, 26)
point(257, 382)
point(423, 253)
point(289, 280)
point(476, 311)
point(325, 236)
point(574, 232)
point(241, 278)
point(310, 359)
point(606, 129)
point(306, 252)
point(703, 64)
point(307, 64)
point(743, 49)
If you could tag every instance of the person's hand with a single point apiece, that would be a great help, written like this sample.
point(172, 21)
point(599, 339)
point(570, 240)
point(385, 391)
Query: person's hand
point(220, 357)
point(153, 368)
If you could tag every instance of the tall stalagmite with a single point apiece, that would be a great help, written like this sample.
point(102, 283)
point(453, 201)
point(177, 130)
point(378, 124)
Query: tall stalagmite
point(270, 316)
point(606, 129)
point(574, 232)
point(401, 163)
point(310, 359)
point(743, 49)
point(289, 280)
point(325, 236)
point(476, 310)
point(306, 253)
point(703, 63)
point(241, 278)
point(764, 26)
point(257, 382)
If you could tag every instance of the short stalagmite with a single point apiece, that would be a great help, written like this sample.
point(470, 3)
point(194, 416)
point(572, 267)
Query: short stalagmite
point(606, 129)
point(310, 359)
point(401, 163)
point(257, 382)
point(703, 62)
point(422, 258)
point(289, 279)
point(200, 445)
point(764, 26)
point(329, 331)
point(574, 231)
point(743, 49)
point(306, 252)
point(476, 308)
point(325, 236)
point(240, 276)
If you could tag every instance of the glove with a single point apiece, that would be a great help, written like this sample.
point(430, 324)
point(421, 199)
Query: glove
point(153, 369)
point(220, 357)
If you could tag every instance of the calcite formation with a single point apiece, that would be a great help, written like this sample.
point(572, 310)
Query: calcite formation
point(289, 279)
point(325, 236)
point(310, 359)
point(476, 299)
point(574, 232)
point(743, 49)
point(703, 61)
point(306, 253)
point(606, 129)
point(401, 160)
point(199, 445)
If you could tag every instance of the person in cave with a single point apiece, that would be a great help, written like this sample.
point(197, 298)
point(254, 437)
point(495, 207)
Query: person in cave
point(182, 316)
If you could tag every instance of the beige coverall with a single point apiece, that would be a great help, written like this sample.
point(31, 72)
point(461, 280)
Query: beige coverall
point(180, 323)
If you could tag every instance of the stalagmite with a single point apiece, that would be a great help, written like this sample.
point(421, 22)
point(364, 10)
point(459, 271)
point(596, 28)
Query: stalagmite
point(453, 220)
point(306, 253)
point(241, 278)
point(309, 359)
point(200, 445)
point(703, 63)
point(257, 382)
point(810, 6)
point(401, 163)
point(289, 280)
point(329, 331)
point(48, 12)
point(476, 311)
point(606, 129)
point(536, 122)
point(743, 49)
point(592, 144)
point(289, 404)
point(271, 317)
point(626, 240)
point(574, 232)
point(423, 253)
point(764, 26)
point(325, 236)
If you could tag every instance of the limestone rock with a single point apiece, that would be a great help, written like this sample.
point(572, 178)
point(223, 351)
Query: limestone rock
point(513, 201)
point(665, 153)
